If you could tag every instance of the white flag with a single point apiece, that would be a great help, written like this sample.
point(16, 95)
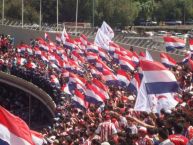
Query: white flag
point(102, 40)
point(148, 56)
point(107, 30)
point(154, 102)
point(142, 103)
point(64, 35)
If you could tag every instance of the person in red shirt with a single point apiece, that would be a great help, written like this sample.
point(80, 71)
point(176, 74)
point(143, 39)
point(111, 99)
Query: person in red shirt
point(178, 138)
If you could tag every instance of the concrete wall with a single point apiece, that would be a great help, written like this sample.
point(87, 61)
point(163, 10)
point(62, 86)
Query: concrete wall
point(23, 34)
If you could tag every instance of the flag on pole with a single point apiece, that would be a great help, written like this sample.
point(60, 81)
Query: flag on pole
point(13, 130)
point(46, 36)
point(148, 56)
point(107, 30)
point(172, 43)
point(191, 44)
point(102, 40)
point(190, 64)
point(37, 137)
point(64, 35)
point(167, 60)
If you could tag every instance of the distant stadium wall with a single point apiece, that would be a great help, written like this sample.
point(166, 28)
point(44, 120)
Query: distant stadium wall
point(25, 35)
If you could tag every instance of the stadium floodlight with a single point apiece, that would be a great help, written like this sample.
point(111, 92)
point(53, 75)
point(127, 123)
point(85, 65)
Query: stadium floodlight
point(93, 11)
point(76, 17)
point(3, 12)
point(40, 23)
point(22, 9)
point(57, 14)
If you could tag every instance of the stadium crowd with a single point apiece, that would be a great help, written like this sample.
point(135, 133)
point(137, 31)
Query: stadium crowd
point(116, 122)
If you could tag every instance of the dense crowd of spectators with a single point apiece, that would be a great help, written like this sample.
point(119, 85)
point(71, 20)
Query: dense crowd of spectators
point(114, 124)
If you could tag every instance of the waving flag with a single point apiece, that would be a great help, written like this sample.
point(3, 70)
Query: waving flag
point(93, 95)
point(135, 58)
point(101, 87)
point(31, 65)
point(107, 30)
point(134, 84)
point(92, 48)
point(65, 89)
point(191, 44)
point(109, 77)
point(46, 36)
point(64, 36)
point(37, 51)
point(58, 38)
point(79, 100)
point(91, 57)
point(44, 57)
point(112, 47)
point(102, 40)
point(157, 88)
point(123, 77)
point(69, 43)
point(191, 64)
point(43, 45)
point(172, 43)
point(103, 55)
point(54, 80)
point(22, 48)
point(83, 39)
point(14, 131)
point(188, 55)
point(148, 56)
point(126, 64)
point(158, 79)
point(21, 61)
point(37, 137)
point(167, 60)
point(142, 56)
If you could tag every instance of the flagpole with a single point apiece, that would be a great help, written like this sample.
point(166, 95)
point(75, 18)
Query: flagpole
point(3, 12)
point(93, 9)
point(40, 15)
point(76, 16)
point(29, 119)
point(57, 14)
point(22, 14)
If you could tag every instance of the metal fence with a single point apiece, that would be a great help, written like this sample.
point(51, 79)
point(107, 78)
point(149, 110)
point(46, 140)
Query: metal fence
point(129, 39)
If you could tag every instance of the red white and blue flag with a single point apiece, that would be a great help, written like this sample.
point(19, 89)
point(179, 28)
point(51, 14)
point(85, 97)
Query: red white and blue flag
point(37, 137)
point(123, 78)
point(78, 100)
point(135, 84)
point(46, 36)
point(158, 79)
point(167, 60)
point(93, 95)
point(172, 43)
point(101, 87)
point(126, 64)
point(191, 44)
point(142, 56)
point(58, 38)
point(190, 64)
point(13, 130)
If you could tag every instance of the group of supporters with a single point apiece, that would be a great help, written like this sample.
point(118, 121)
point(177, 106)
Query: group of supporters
point(108, 121)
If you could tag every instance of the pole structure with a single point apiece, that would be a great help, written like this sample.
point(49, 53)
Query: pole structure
point(93, 11)
point(40, 23)
point(76, 15)
point(22, 10)
point(29, 117)
point(57, 15)
point(3, 12)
